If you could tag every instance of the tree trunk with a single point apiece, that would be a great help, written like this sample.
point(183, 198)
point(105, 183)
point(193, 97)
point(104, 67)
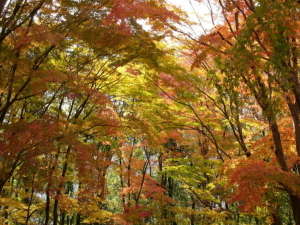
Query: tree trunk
point(295, 203)
point(294, 110)
point(294, 200)
point(55, 213)
point(276, 218)
point(277, 144)
point(2, 5)
point(62, 218)
point(78, 219)
point(55, 207)
point(192, 218)
point(47, 209)
point(2, 183)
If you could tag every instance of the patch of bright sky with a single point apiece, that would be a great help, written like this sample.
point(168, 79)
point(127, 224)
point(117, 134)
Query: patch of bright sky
point(199, 13)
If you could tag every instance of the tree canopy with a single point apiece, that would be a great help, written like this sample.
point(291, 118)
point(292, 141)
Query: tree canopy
point(113, 113)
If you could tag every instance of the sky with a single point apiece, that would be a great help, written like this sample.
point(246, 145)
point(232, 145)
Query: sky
point(198, 13)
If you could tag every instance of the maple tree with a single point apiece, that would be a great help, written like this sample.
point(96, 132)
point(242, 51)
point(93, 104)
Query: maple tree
point(251, 59)
point(104, 120)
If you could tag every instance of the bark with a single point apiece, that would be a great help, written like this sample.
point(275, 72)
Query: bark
point(47, 208)
point(62, 218)
point(56, 202)
point(55, 212)
point(48, 200)
point(2, 5)
point(192, 218)
point(78, 219)
point(295, 203)
point(276, 218)
point(295, 112)
point(30, 203)
point(277, 144)
point(2, 183)
point(294, 200)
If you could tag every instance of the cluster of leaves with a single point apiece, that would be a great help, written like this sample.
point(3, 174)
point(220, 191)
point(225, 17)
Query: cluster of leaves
point(102, 122)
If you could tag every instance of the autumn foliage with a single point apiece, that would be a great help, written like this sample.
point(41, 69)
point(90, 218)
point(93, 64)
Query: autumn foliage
point(114, 112)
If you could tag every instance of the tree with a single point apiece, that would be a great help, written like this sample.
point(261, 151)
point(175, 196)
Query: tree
point(256, 51)
point(110, 113)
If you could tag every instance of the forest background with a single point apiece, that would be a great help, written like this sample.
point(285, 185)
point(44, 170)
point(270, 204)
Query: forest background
point(135, 112)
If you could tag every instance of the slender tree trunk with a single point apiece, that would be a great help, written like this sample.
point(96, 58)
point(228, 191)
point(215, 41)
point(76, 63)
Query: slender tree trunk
point(295, 200)
point(48, 200)
point(47, 208)
point(78, 219)
point(2, 183)
point(295, 203)
point(62, 218)
point(122, 182)
point(30, 202)
point(2, 5)
point(192, 218)
point(295, 112)
point(55, 207)
point(55, 211)
point(68, 220)
point(276, 217)
point(277, 144)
